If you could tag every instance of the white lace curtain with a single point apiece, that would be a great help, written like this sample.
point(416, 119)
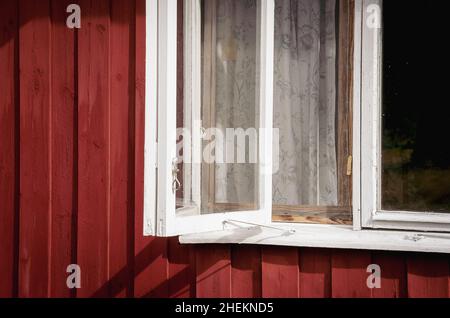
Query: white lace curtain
point(304, 98)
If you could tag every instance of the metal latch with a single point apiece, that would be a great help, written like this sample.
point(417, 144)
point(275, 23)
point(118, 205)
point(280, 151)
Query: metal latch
point(349, 165)
point(176, 184)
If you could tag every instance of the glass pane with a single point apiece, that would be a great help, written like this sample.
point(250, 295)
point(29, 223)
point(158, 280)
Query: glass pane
point(309, 185)
point(226, 177)
point(415, 137)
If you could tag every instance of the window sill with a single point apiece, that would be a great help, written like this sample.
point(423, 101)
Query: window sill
point(325, 236)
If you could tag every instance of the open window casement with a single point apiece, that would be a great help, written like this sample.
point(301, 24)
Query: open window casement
point(276, 122)
point(193, 157)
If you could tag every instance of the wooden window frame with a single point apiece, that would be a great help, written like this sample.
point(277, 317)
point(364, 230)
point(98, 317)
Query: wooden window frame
point(340, 214)
point(373, 216)
point(405, 231)
point(160, 215)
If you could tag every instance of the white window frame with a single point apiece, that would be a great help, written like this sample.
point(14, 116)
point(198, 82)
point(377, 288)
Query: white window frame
point(160, 215)
point(372, 228)
point(371, 109)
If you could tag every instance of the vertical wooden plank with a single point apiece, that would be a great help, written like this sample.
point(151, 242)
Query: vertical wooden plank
point(9, 140)
point(280, 274)
point(315, 273)
point(63, 149)
point(94, 147)
point(348, 274)
point(35, 148)
point(428, 276)
point(121, 151)
point(246, 272)
point(213, 267)
point(344, 100)
point(181, 281)
point(393, 275)
point(150, 266)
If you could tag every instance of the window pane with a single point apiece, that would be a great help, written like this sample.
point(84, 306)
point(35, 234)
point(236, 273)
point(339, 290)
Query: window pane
point(227, 122)
point(313, 126)
point(415, 137)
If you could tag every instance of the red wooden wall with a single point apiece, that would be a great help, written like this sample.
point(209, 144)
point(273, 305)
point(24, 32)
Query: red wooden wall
point(71, 176)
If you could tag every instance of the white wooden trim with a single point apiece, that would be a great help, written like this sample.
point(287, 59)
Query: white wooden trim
point(167, 106)
point(196, 60)
point(266, 19)
point(151, 101)
point(423, 217)
point(187, 101)
point(192, 100)
point(325, 236)
point(370, 105)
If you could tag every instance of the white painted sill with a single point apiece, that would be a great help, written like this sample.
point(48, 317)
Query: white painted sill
point(325, 236)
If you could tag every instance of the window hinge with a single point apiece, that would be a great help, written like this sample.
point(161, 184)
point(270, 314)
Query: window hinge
point(349, 165)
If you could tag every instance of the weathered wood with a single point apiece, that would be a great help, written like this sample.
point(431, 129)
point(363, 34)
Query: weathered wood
point(63, 150)
point(348, 274)
point(344, 100)
point(393, 275)
point(213, 267)
point(315, 273)
point(280, 274)
point(35, 148)
point(428, 276)
point(94, 148)
point(314, 215)
point(122, 103)
point(181, 279)
point(9, 141)
point(246, 271)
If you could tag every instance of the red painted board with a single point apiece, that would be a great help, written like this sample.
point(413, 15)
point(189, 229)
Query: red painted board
point(151, 268)
point(393, 275)
point(9, 138)
point(246, 271)
point(349, 274)
point(94, 148)
point(121, 148)
point(315, 273)
point(63, 150)
point(213, 267)
point(35, 149)
point(280, 274)
point(181, 281)
point(428, 276)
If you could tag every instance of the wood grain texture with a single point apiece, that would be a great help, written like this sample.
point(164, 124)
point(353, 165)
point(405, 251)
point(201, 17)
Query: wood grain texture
point(122, 104)
point(181, 279)
point(280, 274)
point(393, 275)
point(315, 273)
point(246, 272)
point(428, 276)
point(348, 274)
point(94, 148)
point(344, 100)
point(213, 268)
point(63, 150)
point(35, 149)
point(9, 138)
